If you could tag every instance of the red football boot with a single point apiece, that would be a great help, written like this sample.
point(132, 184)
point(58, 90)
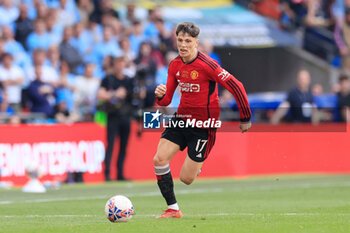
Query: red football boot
point(170, 213)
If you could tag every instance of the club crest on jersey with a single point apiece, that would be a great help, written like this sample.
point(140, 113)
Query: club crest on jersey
point(194, 74)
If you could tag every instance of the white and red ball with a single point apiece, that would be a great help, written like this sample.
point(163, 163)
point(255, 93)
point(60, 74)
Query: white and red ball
point(119, 209)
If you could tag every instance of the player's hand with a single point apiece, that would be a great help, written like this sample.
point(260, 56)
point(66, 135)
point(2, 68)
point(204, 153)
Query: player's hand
point(160, 91)
point(244, 126)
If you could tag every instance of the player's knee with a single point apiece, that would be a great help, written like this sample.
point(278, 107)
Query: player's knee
point(186, 180)
point(158, 161)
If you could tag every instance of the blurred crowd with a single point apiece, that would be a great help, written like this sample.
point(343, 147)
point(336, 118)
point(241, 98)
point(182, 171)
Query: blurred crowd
point(323, 26)
point(54, 54)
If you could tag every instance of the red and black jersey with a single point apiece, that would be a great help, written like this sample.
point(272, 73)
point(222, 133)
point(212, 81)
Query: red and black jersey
point(199, 93)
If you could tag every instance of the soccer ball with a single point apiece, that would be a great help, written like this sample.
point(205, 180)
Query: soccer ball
point(119, 209)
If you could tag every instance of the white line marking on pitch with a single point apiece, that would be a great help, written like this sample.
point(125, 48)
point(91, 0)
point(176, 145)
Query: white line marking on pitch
point(149, 194)
point(190, 191)
point(186, 215)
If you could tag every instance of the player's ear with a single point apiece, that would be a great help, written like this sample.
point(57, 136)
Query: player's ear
point(197, 42)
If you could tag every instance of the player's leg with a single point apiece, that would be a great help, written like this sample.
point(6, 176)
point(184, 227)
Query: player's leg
point(171, 142)
point(165, 152)
point(200, 143)
point(190, 170)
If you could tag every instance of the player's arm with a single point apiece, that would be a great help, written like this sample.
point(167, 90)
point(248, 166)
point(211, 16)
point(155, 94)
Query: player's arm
point(164, 93)
point(236, 88)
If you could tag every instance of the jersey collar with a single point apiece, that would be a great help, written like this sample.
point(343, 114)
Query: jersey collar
point(187, 63)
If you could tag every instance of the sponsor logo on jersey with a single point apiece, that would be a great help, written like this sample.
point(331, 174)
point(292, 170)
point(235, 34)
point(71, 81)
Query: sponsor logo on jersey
point(189, 87)
point(178, 73)
point(194, 74)
point(223, 75)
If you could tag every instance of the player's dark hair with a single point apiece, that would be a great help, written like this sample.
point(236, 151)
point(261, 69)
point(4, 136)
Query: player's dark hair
point(188, 27)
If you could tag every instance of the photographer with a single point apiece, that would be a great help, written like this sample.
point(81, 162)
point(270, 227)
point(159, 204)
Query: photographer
point(146, 68)
point(116, 93)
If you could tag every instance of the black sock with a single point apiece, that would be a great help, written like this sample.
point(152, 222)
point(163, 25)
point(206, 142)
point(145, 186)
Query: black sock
point(166, 186)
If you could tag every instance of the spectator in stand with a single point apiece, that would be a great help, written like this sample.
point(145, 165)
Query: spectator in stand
point(31, 8)
point(8, 12)
point(6, 109)
point(94, 31)
point(293, 14)
point(70, 5)
point(103, 6)
point(50, 74)
point(151, 31)
point(2, 45)
point(129, 55)
point(39, 38)
point(68, 52)
point(54, 29)
point(299, 101)
point(66, 16)
point(316, 15)
point(41, 95)
point(117, 28)
point(11, 45)
point(125, 46)
point(137, 36)
point(146, 68)
point(67, 86)
point(338, 10)
point(165, 43)
point(53, 57)
point(12, 78)
point(107, 47)
point(107, 18)
point(83, 10)
point(40, 10)
point(208, 48)
point(107, 66)
point(173, 40)
point(14, 48)
point(24, 25)
point(130, 13)
point(342, 35)
point(81, 40)
point(62, 114)
point(3, 102)
point(344, 98)
point(85, 93)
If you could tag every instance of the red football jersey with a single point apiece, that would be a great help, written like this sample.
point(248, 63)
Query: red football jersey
point(199, 93)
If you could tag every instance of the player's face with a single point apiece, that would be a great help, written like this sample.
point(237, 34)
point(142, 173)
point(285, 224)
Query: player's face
point(187, 45)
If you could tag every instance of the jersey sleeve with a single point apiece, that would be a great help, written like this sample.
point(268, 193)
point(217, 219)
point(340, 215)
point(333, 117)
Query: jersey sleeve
point(229, 82)
point(171, 85)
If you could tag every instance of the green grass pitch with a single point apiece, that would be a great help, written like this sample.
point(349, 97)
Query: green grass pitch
point(255, 205)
